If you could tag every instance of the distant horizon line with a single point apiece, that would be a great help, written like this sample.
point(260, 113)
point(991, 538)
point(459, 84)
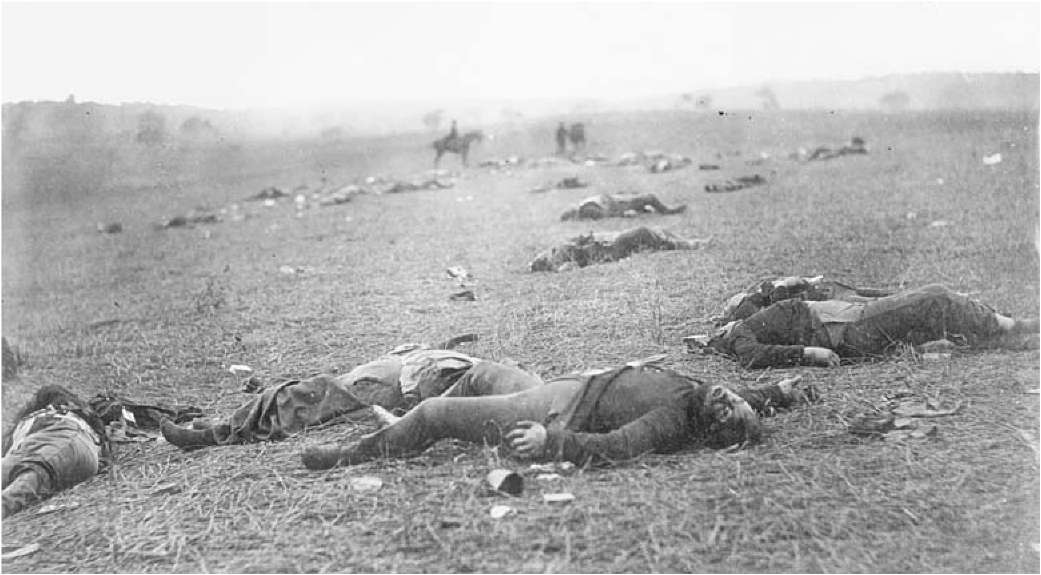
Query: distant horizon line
point(449, 101)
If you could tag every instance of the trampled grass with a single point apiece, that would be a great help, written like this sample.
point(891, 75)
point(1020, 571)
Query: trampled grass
point(159, 315)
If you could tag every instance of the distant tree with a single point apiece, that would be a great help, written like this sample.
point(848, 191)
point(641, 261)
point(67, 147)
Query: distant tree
point(433, 120)
point(196, 127)
point(894, 101)
point(151, 128)
point(768, 98)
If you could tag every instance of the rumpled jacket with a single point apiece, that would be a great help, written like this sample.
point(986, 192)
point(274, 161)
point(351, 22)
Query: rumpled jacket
point(788, 327)
point(622, 413)
point(399, 379)
point(628, 411)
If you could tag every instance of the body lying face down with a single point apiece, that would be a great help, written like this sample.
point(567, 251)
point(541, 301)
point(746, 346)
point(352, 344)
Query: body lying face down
point(796, 331)
point(56, 443)
point(767, 292)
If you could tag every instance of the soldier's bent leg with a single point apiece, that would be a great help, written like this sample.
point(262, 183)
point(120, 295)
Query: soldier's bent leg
point(27, 487)
point(475, 419)
point(928, 313)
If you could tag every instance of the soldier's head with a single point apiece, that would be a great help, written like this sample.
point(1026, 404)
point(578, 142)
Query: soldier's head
point(55, 395)
point(740, 306)
point(725, 418)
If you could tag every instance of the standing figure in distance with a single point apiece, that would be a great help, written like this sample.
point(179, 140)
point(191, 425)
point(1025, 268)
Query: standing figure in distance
point(561, 139)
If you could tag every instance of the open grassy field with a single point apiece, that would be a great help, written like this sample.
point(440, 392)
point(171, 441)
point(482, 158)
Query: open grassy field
point(159, 315)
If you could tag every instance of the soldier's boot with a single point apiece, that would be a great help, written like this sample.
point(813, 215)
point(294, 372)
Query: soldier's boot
point(317, 457)
point(187, 439)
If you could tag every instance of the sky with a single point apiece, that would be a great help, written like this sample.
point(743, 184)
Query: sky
point(277, 55)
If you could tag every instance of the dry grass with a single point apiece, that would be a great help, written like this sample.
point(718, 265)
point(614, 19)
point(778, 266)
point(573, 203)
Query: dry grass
point(160, 315)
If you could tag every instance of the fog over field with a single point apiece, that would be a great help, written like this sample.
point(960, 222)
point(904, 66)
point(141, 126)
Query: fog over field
point(203, 204)
point(304, 69)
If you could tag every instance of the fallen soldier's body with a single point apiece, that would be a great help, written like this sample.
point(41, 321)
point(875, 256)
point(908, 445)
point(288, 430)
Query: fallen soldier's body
point(396, 381)
point(594, 248)
point(798, 332)
point(855, 146)
point(601, 416)
point(738, 183)
point(57, 443)
point(191, 219)
point(399, 186)
point(619, 206)
point(674, 162)
point(770, 291)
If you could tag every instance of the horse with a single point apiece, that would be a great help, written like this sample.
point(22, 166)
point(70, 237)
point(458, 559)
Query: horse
point(456, 145)
point(577, 135)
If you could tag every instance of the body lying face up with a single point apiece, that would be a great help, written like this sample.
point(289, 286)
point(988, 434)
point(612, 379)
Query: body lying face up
point(611, 415)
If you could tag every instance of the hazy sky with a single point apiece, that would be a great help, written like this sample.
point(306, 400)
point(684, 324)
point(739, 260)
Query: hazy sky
point(237, 55)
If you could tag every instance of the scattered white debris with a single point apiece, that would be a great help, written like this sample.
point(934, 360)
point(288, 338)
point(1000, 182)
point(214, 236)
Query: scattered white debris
point(500, 511)
point(992, 159)
point(505, 481)
point(19, 551)
point(558, 497)
point(939, 181)
point(458, 272)
point(366, 483)
point(562, 467)
point(239, 368)
point(288, 270)
point(911, 215)
point(939, 224)
point(933, 356)
point(269, 203)
point(57, 507)
point(548, 476)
